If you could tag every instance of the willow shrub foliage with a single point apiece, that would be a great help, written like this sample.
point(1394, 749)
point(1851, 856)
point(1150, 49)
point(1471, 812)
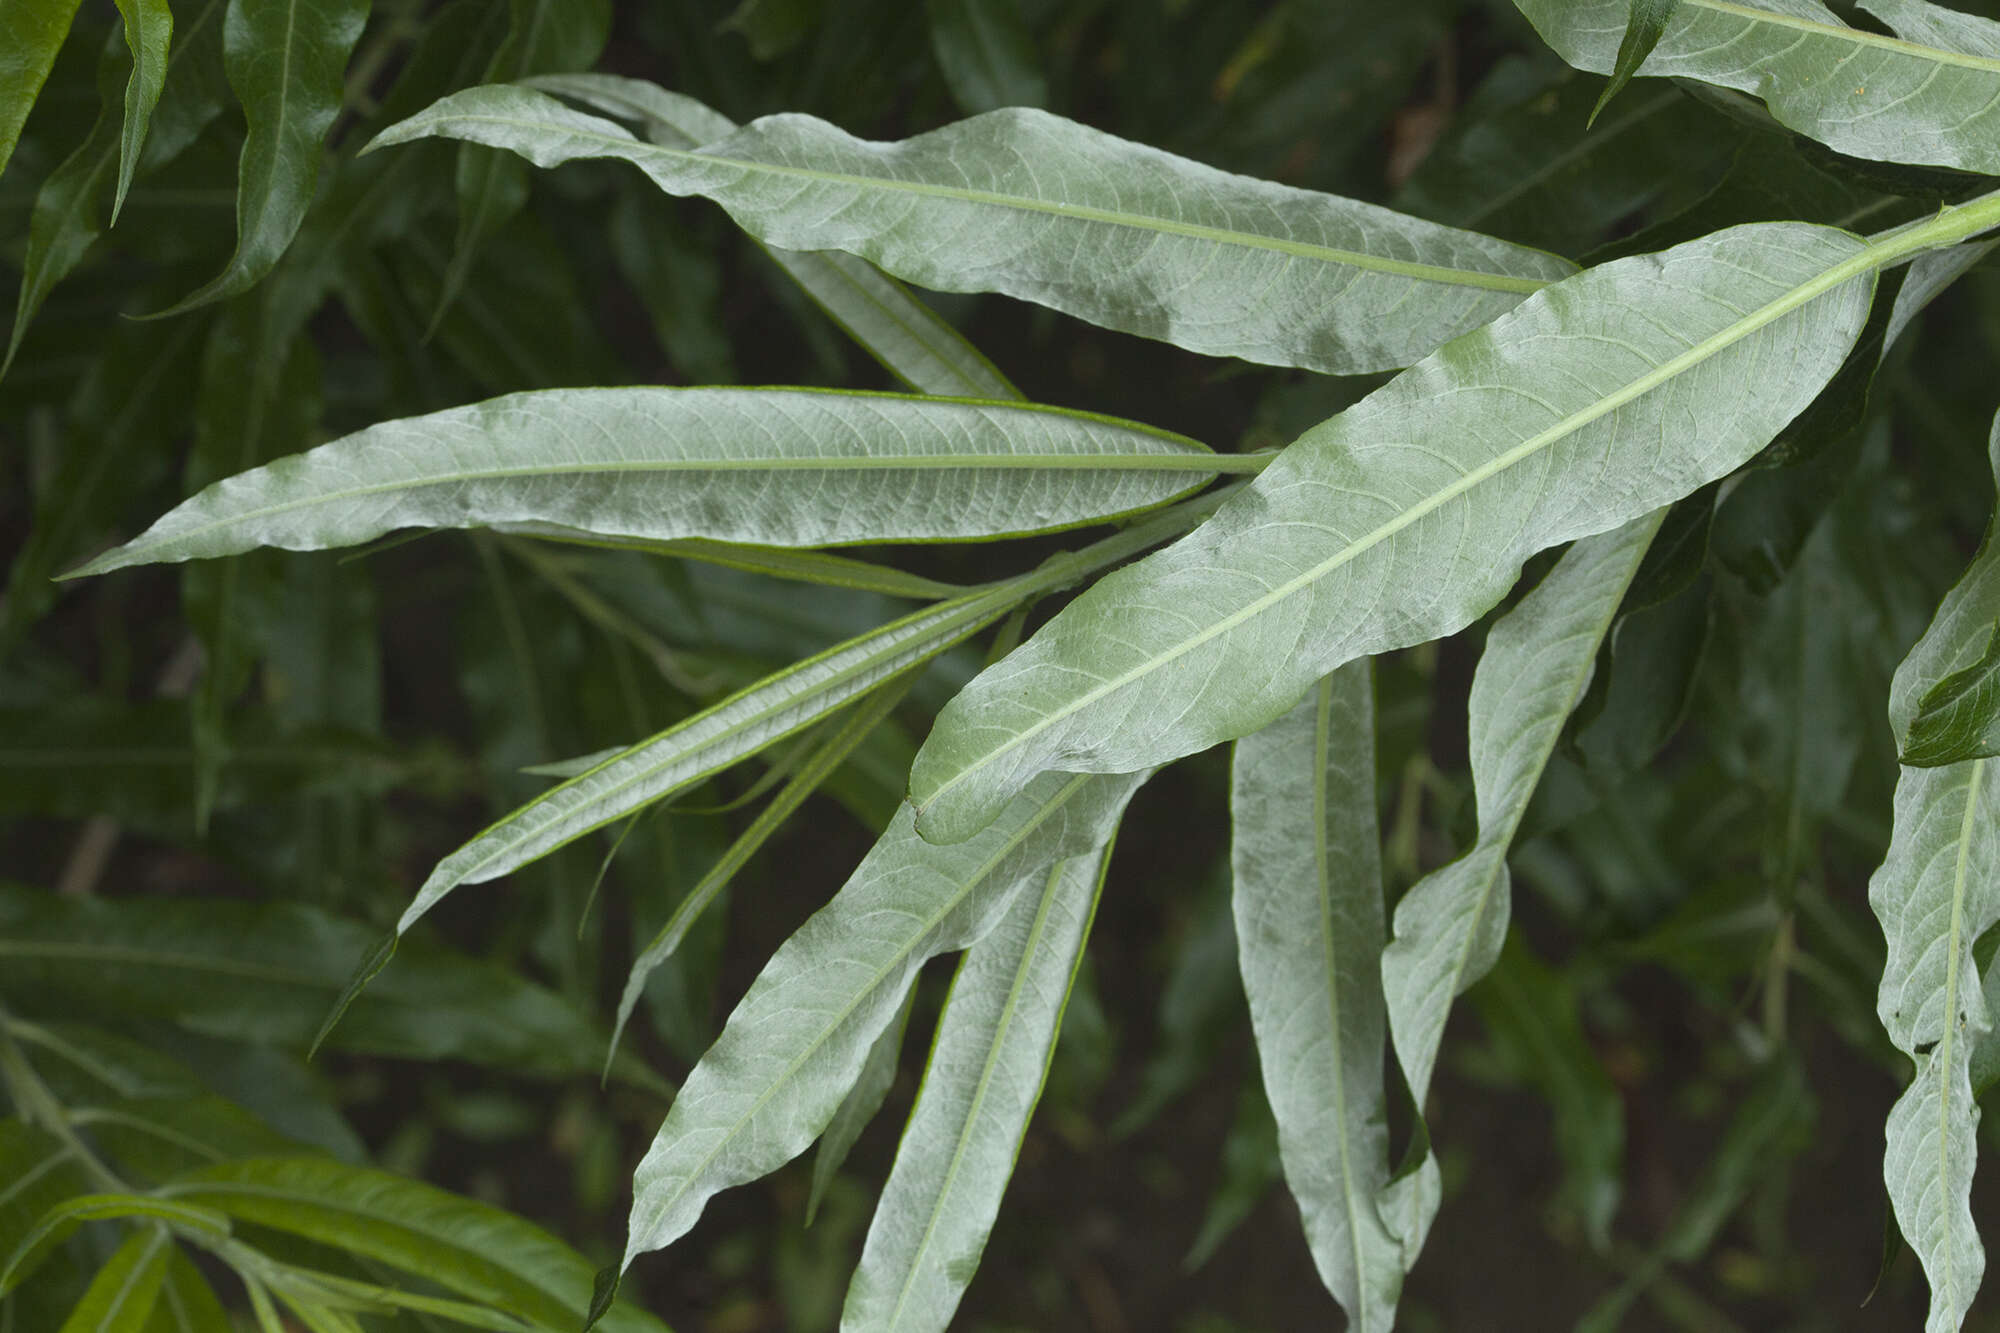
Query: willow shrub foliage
point(1660, 364)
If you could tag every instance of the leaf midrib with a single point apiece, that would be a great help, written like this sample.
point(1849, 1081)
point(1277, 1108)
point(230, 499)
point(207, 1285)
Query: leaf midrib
point(966, 887)
point(636, 149)
point(1941, 1061)
point(1855, 265)
point(1855, 36)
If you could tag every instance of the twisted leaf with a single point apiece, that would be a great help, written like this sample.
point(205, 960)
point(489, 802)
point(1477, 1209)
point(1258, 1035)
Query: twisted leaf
point(1010, 200)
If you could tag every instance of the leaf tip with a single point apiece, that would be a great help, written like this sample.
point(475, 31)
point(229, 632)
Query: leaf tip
point(603, 1291)
point(376, 959)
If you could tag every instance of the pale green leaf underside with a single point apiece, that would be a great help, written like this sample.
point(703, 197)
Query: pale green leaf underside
point(797, 1041)
point(985, 1075)
point(777, 467)
point(858, 1107)
point(1407, 516)
point(1930, 95)
point(1041, 208)
point(913, 341)
point(1538, 660)
point(1309, 927)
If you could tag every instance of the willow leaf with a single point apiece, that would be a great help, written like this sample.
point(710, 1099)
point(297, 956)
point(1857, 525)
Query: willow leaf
point(782, 467)
point(149, 34)
point(1008, 201)
point(911, 340)
point(1646, 21)
point(471, 1249)
point(985, 1075)
point(1309, 926)
point(1408, 515)
point(1929, 95)
point(120, 1299)
point(858, 1107)
point(31, 32)
point(799, 1038)
point(1936, 893)
point(285, 59)
point(1537, 663)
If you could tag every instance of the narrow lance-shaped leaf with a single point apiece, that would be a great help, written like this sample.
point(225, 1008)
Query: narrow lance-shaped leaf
point(31, 32)
point(910, 339)
point(1007, 202)
point(149, 34)
point(858, 1107)
point(780, 467)
point(285, 59)
point(1537, 663)
point(1646, 20)
point(795, 1044)
point(1936, 893)
point(469, 1248)
point(1407, 516)
point(1930, 95)
point(985, 1075)
point(120, 1299)
point(1309, 927)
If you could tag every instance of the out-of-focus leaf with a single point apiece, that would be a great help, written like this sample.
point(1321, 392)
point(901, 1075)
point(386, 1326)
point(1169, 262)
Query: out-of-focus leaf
point(909, 338)
point(1309, 918)
point(1927, 278)
point(285, 60)
point(31, 32)
point(268, 971)
point(1544, 426)
point(1645, 22)
point(39, 1171)
point(1252, 1166)
point(1532, 1013)
point(772, 27)
point(542, 35)
point(1201, 1006)
point(156, 1139)
point(1927, 98)
point(479, 1252)
point(149, 34)
point(797, 1041)
point(1529, 171)
point(869, 714)
point(987, 56)
point(858, 1107)
point(1936, 893)
point(1450, 926)
point(1181, 252)
point(784, 467)
point(985, 1075)
point(65, 1216)
point(120, 1299)
point(187, 1303)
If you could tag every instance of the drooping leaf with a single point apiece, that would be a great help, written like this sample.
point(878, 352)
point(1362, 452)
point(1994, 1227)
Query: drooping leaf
point(988, 59)
point(1309, 921)
point(1936, 892)
point(1930, 98)
point(542, 35)
point(268, 971)
point(120, 1299)
point(149, 34)
point(1645, 22)
point(869, 714)
point(1551, 423)
point(31, 32)
point(285, 60)
point(1450, 926)
point(783, 467)
point(985, 1075)
point(800, 1037)
point(1006, 201)
point(471, 1249)
point(909, 338)
point(858, 1107)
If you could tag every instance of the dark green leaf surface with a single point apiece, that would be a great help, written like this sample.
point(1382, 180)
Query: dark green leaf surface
point(31, 32)
point(285, 60)
point(1645, 23)
point(987, 56)
point(120, 1299)
point(1551, 423)
point(149, 34)
point(1212, 262)
point(779, 467)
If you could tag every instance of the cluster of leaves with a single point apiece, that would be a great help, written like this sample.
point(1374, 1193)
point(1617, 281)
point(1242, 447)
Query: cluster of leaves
point(1648, 342)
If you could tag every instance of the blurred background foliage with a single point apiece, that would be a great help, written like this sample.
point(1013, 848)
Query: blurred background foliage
point(220, 781)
